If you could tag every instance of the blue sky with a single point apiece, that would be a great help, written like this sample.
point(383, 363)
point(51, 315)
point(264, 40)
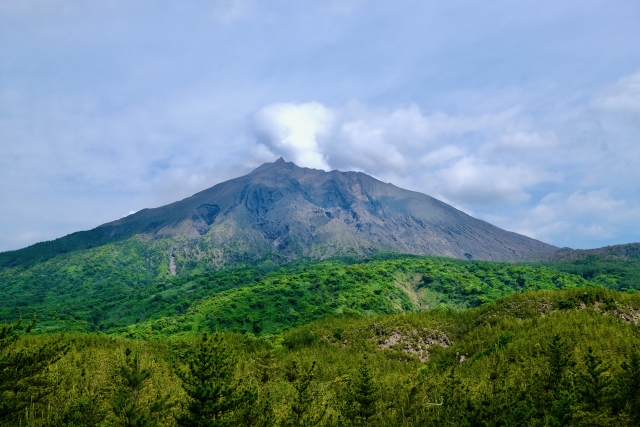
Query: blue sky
point(525, 114)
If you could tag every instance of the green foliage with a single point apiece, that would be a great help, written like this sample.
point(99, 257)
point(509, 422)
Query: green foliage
point(521, 360)
point(394, 340)
point(128, 403)
point(23, 368)
point(628, 386)
point(362, 396)
point(306, 408)
point(126, 287)
point(615, 272)
point(560, 360)
point(215, 397)
point(594, 383)
point(301, 293)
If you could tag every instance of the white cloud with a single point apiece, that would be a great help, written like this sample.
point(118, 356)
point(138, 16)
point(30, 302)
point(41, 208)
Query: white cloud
point(107, 106)
point(293, 131)
point(624, 96)
point(582, 214)
point(437, 153)
point(549, 183)
point(593, 201)
point(521, 141)
point(442, 155)
point(473, 181)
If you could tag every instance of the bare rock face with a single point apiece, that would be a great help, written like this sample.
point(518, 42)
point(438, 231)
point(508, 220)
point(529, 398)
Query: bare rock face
point(306, 212)
point(294, 212)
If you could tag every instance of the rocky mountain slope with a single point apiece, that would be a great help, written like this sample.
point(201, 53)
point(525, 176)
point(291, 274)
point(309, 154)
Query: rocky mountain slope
point(281, 210)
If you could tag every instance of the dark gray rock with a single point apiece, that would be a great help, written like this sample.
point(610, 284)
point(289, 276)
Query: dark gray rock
point(292, 212)
point(307, 212)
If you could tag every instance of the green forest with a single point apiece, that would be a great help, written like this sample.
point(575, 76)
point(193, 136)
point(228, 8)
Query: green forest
point(108, 291)
point(567, 357)
point(392, 340)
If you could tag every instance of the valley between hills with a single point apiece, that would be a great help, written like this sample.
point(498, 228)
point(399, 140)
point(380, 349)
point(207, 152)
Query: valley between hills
point(293, 296)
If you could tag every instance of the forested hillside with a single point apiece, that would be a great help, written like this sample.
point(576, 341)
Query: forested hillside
point(567, 357)
point(617, 266)
point(268, 299)
point(394, 340)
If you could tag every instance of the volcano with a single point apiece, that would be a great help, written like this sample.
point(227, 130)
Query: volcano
point(285, 211)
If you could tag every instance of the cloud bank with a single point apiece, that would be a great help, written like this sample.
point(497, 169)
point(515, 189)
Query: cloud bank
point(467, 160)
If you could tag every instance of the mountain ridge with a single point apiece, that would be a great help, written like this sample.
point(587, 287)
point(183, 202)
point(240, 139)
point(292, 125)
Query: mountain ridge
point(283, 210)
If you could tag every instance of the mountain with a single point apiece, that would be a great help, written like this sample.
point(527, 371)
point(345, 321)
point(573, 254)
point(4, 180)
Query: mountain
point(625, 252)
point(287, 212)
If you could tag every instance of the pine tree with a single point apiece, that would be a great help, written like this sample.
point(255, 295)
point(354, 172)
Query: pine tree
point(555, 394)
point(453, 389)
point(594, 383)
point(560, 360)
point(628, 386)
point(361, 403)
point(563, 405)
point(260, 413)
point(410, 398)
point(22, 379)
point(306, 408)
point(128, 403)
point(215, 397)
point(452, 405)
point(84, 410)
point(265, 366)
point(521, 410)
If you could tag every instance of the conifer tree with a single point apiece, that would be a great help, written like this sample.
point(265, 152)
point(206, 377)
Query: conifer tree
point(555, 393)
point(409, 410)
point(129, 404)
point(560, 360)
point(22, 379)
point(594, 383)
point(453, 389)
point(215, 397)
point(306, 408)
point(628, 386)
point(362, 396)
point(258, 414)
point(520, 410)
point(563, 404)
point(265, 366)
point(449, 406)
point(84, 410)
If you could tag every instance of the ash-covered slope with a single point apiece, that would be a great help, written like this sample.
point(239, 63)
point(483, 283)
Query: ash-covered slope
point(282, 209)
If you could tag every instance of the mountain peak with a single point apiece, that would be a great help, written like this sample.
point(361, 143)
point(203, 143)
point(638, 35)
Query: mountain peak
point(303, 212)
point(278, 166)
point(288, 212)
